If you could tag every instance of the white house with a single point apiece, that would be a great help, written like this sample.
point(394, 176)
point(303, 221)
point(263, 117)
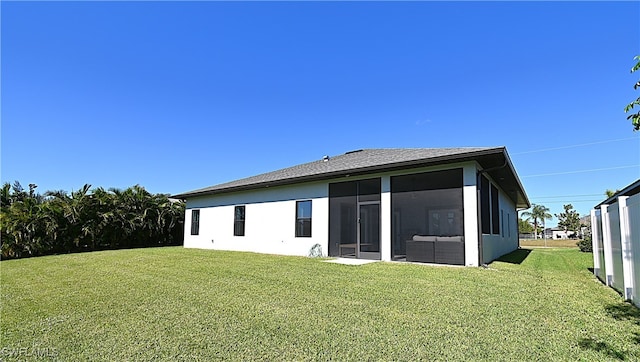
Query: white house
point(437, 205)
point(556, 233)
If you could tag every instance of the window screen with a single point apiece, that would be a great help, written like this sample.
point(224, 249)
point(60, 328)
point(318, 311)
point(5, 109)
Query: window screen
point(502, 221)
point(428, 204)
point(369, 190)
point(344, 198)
point(195, 222)
point(485, 207)
point(238, 221)
point(495, 215)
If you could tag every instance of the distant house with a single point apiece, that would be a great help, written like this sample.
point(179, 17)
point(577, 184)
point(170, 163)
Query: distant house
point(435, 205)
point(556, 233)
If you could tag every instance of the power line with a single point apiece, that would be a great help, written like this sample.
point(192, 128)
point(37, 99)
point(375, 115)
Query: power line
point(570, 201)
point(565, 196)
point(581, 171)
point(574, 146)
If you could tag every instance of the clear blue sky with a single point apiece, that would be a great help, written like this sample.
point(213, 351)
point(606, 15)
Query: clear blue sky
point(177, 96)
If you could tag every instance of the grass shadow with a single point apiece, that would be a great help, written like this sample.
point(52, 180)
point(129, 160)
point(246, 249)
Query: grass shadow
point(624, 311)
point(515, 257)
point(621, 311)
point(602, 347)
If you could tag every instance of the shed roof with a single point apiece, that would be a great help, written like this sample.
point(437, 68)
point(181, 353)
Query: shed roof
point(494, 160)
point(630, 190)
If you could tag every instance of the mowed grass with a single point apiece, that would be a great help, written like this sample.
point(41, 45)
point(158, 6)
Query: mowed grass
point(550, 243)
point(185, 304)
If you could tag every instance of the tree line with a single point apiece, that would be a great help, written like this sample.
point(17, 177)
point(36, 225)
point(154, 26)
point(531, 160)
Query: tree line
point(569, 219)
point(33, 224)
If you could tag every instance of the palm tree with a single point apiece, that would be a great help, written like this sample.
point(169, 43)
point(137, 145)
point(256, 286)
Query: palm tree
point(610, 193)
point(32, 224)
point(25, 225)
point(77, 212)
point(5, 195)
point(538, 213)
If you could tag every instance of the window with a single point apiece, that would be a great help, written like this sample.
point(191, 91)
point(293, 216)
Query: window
point(502, 219)
point(303, 219)
point(509, 224)
point(195, 222)
point(485, 208)
point(495, 220)
point(489, 208)
point(238, 221)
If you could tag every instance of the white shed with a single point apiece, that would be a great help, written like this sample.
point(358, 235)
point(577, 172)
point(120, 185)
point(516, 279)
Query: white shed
point(616, 241)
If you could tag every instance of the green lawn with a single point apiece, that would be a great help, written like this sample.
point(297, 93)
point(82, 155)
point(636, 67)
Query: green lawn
point(182, 304)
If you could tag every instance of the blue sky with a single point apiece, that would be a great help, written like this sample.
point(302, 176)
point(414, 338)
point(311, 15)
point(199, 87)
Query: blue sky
point(177, 96)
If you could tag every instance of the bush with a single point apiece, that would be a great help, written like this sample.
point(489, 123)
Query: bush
point(57, 222)
point(585, 245)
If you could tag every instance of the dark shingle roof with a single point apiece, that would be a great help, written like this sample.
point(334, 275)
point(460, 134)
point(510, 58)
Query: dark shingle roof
point(361, 162)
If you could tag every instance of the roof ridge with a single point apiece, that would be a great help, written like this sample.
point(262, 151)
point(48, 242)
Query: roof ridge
point(429, 148)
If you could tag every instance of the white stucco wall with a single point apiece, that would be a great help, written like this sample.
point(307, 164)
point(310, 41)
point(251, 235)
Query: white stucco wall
point(385, 218)
point(470, 202)
point(270, 216)
point(496, 245)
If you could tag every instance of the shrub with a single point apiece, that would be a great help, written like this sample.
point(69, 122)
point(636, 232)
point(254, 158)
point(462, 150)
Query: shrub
point(585, 245)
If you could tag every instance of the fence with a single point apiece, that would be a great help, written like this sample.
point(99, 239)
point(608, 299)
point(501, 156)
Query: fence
point(615, 233)
point(527, 236)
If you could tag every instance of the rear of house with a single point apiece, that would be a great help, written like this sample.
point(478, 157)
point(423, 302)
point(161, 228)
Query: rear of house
point(454, 206)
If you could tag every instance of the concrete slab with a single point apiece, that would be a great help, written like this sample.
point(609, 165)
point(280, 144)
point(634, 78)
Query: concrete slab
point(349, 261)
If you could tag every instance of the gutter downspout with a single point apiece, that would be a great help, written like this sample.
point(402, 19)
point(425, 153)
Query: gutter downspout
point(479, 211)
